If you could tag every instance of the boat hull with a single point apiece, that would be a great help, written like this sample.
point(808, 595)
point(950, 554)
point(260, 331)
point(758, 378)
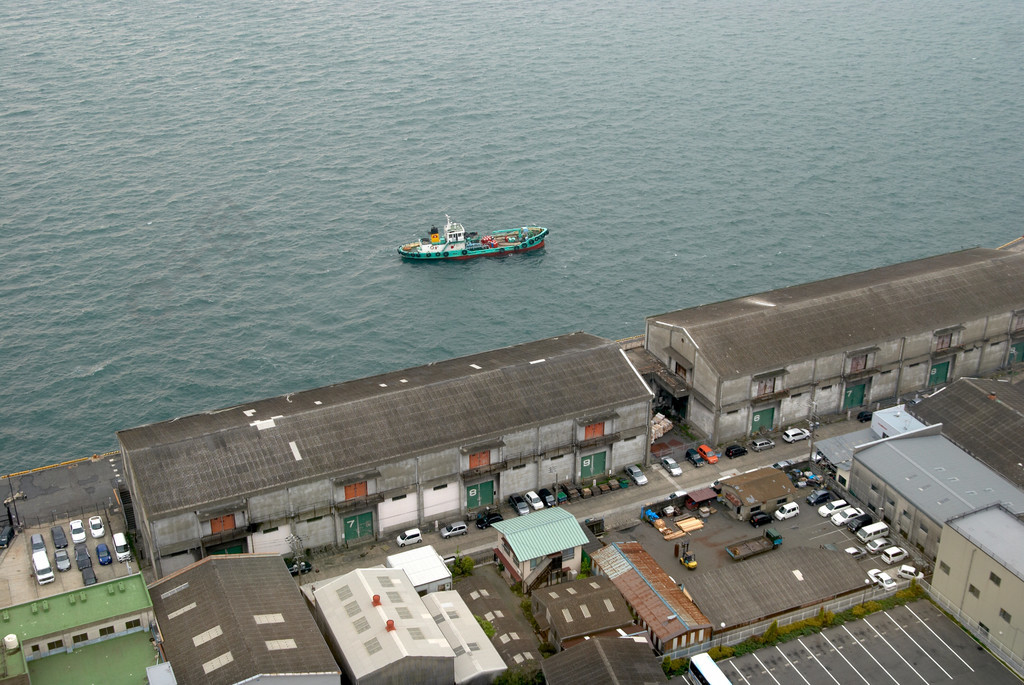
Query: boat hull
point(503, 243)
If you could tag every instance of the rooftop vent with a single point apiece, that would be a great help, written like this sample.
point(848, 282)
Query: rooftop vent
point(376, 600)
point(391, 626)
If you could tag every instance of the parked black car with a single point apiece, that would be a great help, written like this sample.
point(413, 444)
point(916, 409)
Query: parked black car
point(60, 541)
point(858, 522)
point(547, 497)
point(82, 558)
point(819, 497)
point(693, 456)
point(864, 416)
point(486, 518)
point(297, 567)
point(733, 451)
point(759, 518)
point(6, 536)
point(88, 576)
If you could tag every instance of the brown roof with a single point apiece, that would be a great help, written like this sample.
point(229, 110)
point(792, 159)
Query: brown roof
point(232, 617)
point(583, 607)
point(772, 329)
point(756, 487)
point(649, 590)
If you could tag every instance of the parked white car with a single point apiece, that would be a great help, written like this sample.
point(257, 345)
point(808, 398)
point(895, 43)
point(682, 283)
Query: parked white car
point(77, 531)
point(796, 434)
point(96, 528)
point(829, 508)
point(410, 537)
point(534, 500)
point(909, 572)
point(672, 466)
point(787, 511)
point(882, 579)
point(841, 517)
point(877, 545)
point(894, 555)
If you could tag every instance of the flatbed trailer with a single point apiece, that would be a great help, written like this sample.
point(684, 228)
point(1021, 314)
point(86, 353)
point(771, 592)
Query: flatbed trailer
point(762, 543)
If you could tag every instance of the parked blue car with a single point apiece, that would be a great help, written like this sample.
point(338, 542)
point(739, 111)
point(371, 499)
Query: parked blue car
point(103, 554)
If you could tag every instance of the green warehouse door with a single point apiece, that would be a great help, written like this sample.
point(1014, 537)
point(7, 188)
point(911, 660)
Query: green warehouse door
point(938, 374)
point(1017, 353)
point(854, 396)
point(592, 465)
point(359, 526)
point(765, 418)
point(480, 495)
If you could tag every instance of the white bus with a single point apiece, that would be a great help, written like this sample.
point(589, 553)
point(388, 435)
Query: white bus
point(704, 671)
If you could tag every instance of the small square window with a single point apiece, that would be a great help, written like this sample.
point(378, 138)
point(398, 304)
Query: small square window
point(995, 579)
point(974, 591)
point(106, 630)
point(944, 567)
point(1003, 614)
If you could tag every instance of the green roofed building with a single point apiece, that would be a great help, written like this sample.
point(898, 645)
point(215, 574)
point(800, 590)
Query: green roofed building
point(99, 633)
point(544, 545)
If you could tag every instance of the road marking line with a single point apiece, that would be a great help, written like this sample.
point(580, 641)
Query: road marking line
point(939, 638)
point(870, 655)
point(800, 640)
point(852, 667)
point(919, 646)
point(753, 654)
point(894, 650)
point(791, 664)
point(738, 671)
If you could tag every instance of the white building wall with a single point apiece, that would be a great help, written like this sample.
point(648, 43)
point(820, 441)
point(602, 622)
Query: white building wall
point(271, 541)
point(398, 512)
point(440, 499)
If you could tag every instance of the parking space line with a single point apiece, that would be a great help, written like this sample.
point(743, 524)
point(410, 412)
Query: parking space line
point(870, 655)
point(784, 656)
point(754, 654)
point(739, 672)
point(852, 667)
point(940, 639)
point(868, 623)
point(919, 646)
point(801, 641)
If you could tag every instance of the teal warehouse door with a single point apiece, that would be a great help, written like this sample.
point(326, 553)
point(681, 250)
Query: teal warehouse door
point(592, 464)
point(938, 374)
point(480, 495)
point(359, 526)
point(854, 396)
point(765, 418)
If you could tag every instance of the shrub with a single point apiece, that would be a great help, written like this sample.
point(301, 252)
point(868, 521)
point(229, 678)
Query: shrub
point(547, 649)
point(721, 652)
point(772, 634)
point(673, 667)
point(487, 626)
point(463, 566)
point(584, 568)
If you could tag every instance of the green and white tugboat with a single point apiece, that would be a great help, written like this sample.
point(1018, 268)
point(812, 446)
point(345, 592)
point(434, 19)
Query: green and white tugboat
point(454, 242)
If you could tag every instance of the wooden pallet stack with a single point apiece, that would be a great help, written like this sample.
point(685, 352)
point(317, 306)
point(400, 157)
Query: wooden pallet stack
point(685, 524)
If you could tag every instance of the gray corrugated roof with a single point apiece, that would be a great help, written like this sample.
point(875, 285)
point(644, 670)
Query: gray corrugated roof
point(616, 661)
point(355, 426)
point(217, 601)
point(937, 477)
point(768, 330)
point(989, 428)
point(584, 607)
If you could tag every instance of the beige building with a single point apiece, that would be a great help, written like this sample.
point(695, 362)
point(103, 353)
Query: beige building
point(980, 572)
point(763, 362)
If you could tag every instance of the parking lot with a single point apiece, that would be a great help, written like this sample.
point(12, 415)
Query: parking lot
point(915, 643)
point(18, 581)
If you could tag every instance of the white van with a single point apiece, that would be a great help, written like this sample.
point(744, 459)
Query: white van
point(829, 508)
point(121, 548)
point(787, 510)
point(873, 532)
point(41, 566)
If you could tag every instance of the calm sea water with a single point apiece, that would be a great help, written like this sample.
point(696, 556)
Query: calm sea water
point(200, 202)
